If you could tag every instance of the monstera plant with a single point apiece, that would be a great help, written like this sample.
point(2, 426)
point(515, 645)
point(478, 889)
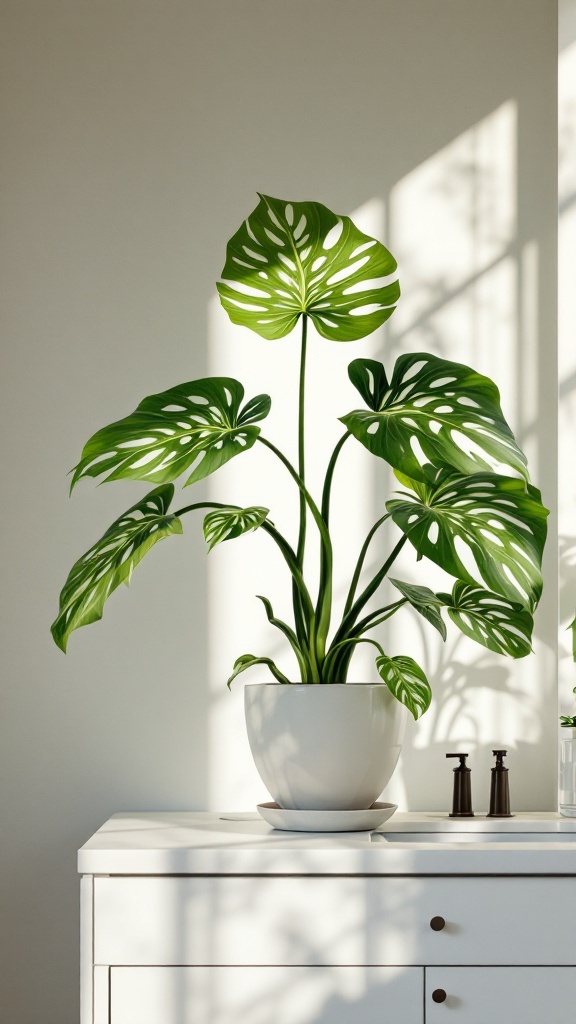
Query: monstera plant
point(464, 500)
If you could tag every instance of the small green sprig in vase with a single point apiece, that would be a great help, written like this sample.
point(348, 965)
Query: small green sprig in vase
point(567, 788)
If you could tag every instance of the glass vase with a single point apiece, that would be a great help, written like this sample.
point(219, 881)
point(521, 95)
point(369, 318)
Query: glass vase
point(567, 787)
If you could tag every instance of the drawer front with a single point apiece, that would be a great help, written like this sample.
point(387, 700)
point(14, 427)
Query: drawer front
point(333, 920)
point(517, 995)
point(262, 995)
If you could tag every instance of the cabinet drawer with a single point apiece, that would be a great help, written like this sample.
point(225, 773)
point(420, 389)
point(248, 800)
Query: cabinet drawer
point(260, 995)
point(518, 995)
point(227, 920)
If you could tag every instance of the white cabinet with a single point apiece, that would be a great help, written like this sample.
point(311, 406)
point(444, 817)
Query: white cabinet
point(488, 995)
point(265, 995)
point(189, 920)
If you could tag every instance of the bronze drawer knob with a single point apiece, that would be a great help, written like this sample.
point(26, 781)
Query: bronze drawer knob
point(438, 995)
point(437, 924)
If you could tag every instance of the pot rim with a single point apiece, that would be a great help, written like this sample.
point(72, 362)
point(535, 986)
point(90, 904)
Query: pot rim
point(313, 686)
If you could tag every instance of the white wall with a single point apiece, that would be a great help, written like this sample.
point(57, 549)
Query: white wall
point(135, 135)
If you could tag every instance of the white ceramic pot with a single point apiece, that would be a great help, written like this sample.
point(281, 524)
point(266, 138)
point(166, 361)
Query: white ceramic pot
point(324, 746)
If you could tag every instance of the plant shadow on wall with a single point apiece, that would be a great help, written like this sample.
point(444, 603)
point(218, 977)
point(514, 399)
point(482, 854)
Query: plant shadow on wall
point(463, 499)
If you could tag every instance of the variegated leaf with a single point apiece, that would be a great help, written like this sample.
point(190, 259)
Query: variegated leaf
point(110, 561)
point(293, 258)
point(199, 424)
point(500, 625)
point(424, 601)
point(228, 523)
point(484, 529)
point(436, 412)
point(406, 680)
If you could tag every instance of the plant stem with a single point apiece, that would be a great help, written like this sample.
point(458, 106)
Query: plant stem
point(320, 625)
point(301, 446)
point(375, 618)
point(350, 618)
point(360, 563)
point(353, 640)
point(329, 474)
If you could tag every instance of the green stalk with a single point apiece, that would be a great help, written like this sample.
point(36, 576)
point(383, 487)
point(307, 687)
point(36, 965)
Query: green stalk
point(328, 478)
point(319, 626)
point(301, 445)
point(353, 640)
point(350, 618)
point(300, 619)
point(375, 618)
point(360, 563)
point(340, 667)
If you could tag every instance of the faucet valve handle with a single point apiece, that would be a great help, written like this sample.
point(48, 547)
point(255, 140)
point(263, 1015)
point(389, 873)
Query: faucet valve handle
point(462, 767)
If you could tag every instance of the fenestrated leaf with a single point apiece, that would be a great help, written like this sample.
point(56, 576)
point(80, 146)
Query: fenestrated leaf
point(502, 626)
point(406, 680)
point(434, 411)
point(228, 523)
point(293, 258)
point(197, 424)
point(110, 561)
point(484, 529)
point(249, 660)
point(425, 602)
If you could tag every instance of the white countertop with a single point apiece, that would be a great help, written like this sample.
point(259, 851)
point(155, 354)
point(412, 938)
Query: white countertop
point(197, 842)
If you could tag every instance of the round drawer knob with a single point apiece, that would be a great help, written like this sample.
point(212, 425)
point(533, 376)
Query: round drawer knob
point(438, 995)
point(437, 924)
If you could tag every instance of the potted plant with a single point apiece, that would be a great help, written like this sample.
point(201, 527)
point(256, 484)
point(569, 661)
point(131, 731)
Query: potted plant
point(465, 503)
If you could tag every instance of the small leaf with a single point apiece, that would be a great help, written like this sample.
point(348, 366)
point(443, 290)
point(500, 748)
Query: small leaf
point(228, 523)
point(406, 680)
point(197, 424)
point(485, 529)
point(435, 411)
point(111, 560)
point(293, 258)
point(248, 660)
point(500, 625)
point(425, 602)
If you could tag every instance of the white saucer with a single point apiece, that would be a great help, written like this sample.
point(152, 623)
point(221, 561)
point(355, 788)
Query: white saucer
point(326, 821)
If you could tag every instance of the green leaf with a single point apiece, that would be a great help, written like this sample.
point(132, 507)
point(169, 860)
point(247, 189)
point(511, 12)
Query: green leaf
point(406, 680)
point(248, 661)
point(434, 411)
point(485, 529)
point(500, 625)
point(293, 258)
point(111, 560)
point(197, 424)
point(228, 523)
point(425, 602)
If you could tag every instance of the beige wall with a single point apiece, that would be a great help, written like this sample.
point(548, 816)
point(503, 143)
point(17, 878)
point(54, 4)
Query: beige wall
point(135, 135)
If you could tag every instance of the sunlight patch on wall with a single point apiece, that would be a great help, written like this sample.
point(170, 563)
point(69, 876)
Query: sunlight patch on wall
point(469, 294)
point(452, 218)
point(567, 365)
